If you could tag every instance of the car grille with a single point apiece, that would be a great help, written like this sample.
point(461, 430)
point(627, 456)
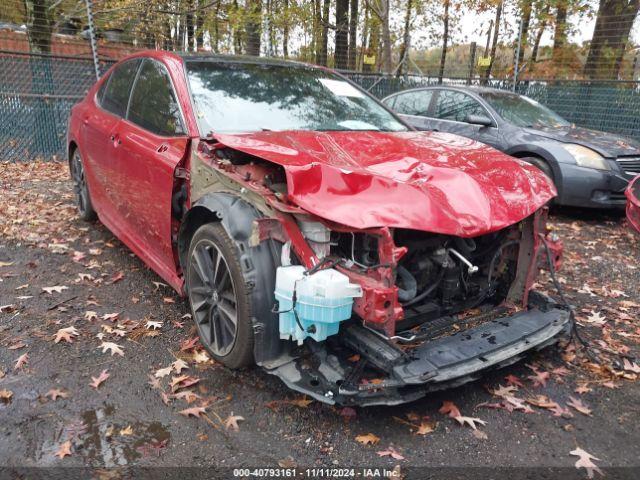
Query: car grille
point(630, 165)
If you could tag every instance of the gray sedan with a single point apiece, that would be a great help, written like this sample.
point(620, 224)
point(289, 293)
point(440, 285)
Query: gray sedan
point(589, 168)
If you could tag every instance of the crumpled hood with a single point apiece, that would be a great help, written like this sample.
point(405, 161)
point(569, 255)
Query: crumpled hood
point(434, 182)
point(606, 144)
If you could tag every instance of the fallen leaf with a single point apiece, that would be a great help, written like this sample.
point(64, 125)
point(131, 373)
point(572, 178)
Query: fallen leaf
point(112, 347)
point(90, 315)
point(64, 450)
point(480, 435)
point(449, 408)
point(56, 393)
point(585, 461)
point(392, 452)
point(56, 288)
point(540, 378)
point(471, 421)
point(579, 406)
point(368, 439)
point(232, 422)
point(152, 324)
point(201, 357)
point(21, 361)
point(425, 428)
point(117, 277)
point(5, 395)
point(194, 412)
point(97, 381)
point(179, 365)
point(303, 402)
point(67, 334)
point(128, 430)
point(630, 367)
point(162, 372)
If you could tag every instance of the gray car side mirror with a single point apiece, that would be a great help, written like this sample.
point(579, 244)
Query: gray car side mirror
point(479, 120)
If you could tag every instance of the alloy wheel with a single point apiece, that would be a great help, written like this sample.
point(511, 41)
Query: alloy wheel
point(79, 183)
point(213, 297)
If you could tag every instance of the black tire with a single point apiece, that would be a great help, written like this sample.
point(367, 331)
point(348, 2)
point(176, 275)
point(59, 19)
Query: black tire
point(217, 291)
point(541, 165)
point(81, 189)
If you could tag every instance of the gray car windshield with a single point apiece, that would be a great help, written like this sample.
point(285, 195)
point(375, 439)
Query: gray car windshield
point(522, 111)
point(245, 97)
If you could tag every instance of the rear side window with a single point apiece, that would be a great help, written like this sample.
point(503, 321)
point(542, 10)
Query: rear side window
point(452, 105)
point(116, 95)
point(413, 103)
point(153, 105)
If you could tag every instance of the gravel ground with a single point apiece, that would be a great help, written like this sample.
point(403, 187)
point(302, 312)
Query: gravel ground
point(50, 416)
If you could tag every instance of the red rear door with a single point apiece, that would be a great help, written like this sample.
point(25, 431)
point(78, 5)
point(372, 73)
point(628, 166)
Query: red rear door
point(99, 136)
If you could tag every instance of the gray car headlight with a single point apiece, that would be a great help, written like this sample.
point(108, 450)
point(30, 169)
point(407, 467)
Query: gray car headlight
point(585, 157)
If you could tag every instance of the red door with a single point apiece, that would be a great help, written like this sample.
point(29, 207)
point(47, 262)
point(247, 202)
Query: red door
point(99, 135)
point(146, 164)
point(150, 142)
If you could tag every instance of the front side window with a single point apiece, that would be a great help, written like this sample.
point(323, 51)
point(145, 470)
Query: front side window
point(153, 105)
point(248, 97)
point(457, 106)
point(413, 103)
point(116, 94)
point(523, 111)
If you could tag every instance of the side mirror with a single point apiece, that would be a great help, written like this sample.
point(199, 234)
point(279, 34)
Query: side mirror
point(479, 120)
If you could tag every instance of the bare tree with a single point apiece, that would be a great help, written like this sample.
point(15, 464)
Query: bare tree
point(406, 38)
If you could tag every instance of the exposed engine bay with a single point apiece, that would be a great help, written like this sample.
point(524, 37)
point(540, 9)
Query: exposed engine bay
point(380, 315)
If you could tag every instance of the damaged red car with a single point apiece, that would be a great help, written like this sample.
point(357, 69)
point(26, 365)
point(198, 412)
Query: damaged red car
point(313, 232)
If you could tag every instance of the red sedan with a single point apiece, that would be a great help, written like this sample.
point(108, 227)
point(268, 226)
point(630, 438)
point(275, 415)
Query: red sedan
point(312, 231)
point(633, 203)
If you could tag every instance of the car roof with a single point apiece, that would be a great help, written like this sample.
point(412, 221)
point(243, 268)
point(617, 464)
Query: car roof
point(214, 57)
point(461, 88)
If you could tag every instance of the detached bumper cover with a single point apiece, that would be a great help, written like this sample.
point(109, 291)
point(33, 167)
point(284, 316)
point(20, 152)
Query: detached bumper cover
point(434, 365)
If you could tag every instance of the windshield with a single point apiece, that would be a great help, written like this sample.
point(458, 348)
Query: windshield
point(522, 111)
point(245, 97)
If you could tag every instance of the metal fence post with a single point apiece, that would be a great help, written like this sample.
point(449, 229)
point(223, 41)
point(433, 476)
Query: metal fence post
point(517, 59)
point(92, 37)
point(472, 62)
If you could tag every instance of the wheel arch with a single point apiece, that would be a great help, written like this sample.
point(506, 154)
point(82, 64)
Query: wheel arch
point(258, 262)
point(545, 156)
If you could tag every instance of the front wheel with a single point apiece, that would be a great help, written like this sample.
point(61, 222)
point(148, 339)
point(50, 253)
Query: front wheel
point(219, 297)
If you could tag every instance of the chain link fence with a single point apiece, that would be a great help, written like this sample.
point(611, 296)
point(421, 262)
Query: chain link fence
point(46, 67)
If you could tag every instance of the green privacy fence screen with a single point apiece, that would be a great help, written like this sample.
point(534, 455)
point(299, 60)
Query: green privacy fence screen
point(38, 91)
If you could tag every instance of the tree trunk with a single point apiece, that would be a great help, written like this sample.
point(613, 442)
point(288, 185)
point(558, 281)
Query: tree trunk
point(189, 25)
point(285, 30)
point(253, 26)
point(541, 29)
point(324, 33)
point(494, 42)
point(526, 21)
point(353, 33)
point(404, 50)
point(445, 40)
point(39, 24)
point(200, 27)
point(560, 34)
point(342, 34)
point(610, 37)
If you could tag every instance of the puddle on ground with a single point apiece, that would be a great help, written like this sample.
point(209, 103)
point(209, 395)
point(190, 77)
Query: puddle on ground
point(106, 443)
